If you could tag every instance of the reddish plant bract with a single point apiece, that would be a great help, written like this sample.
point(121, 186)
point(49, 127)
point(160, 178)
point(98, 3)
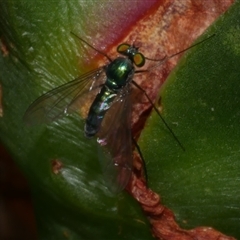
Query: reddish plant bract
point(168, 30)
point(56, 166)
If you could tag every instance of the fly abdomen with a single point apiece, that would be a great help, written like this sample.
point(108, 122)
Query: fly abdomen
point(97, 111)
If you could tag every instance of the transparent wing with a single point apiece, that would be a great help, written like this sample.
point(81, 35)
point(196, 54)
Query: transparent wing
point(116, 142)
point(64, 99)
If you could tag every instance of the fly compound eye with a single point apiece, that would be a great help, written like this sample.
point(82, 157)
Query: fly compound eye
point(123, 49)
point(139, 59)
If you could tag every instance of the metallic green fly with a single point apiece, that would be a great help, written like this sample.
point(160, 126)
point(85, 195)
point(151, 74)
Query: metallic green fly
point(109, 117)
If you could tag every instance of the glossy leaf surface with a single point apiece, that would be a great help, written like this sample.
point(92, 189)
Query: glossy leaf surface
point(201, 101)
point(61, 165)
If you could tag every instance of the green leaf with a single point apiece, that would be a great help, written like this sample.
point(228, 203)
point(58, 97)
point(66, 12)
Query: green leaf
point(70, 197)
point(201, 102)
point(69, 194)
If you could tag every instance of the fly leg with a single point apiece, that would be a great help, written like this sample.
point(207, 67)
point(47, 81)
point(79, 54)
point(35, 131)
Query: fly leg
point(159, 114)
point(141, 156)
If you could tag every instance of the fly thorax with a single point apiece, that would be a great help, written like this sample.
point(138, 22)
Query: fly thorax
point(119, 72)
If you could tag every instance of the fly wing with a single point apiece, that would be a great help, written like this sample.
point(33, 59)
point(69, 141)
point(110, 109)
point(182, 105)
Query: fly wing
point(116, 141)
point(64, 99)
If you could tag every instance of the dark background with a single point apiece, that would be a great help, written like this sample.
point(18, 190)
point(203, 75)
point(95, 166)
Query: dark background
point(17, 219)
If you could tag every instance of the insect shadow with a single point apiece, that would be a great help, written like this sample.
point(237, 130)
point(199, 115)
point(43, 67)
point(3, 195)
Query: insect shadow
point(109, 116)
